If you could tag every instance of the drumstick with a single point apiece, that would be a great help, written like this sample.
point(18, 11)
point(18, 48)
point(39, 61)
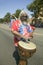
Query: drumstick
point(27, 40)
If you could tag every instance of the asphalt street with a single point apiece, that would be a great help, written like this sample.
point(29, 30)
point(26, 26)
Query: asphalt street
point(7, 47)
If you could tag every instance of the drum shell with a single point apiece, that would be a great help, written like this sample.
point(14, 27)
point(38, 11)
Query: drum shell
point(25, 53)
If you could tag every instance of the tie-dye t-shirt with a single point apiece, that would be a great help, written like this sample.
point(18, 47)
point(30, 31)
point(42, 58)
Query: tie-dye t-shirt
point(22, 29)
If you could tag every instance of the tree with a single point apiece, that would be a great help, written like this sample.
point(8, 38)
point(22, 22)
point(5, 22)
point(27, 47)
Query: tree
point(1, 20)
point(35, 7)
point(7, 17)
point(16, 14)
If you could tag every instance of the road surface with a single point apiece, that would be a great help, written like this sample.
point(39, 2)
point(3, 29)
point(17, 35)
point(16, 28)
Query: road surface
point(7, 47)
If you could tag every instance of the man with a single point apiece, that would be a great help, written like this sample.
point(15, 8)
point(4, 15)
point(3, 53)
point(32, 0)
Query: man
point(21, 29)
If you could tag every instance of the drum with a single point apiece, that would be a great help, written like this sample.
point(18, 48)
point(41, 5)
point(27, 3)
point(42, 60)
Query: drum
point(25, 49)
point(22, 62)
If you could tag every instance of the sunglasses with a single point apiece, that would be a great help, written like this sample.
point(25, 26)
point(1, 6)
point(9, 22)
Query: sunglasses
point(25, 16)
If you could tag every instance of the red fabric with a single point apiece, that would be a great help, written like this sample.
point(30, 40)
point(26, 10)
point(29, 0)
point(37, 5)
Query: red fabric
point(16, 41)
point(15, 26)
point(33, 28)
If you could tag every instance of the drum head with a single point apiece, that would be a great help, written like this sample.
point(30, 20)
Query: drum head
point(27, 46)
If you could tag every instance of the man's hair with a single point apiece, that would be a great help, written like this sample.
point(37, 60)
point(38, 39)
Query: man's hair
point(23, 15)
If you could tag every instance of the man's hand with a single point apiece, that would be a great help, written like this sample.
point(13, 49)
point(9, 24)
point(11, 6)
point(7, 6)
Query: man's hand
point(26, 37)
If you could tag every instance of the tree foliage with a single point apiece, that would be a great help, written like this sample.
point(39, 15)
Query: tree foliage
point(7, 17)
point(35, 6)
point(16, 14)
point(1, 20)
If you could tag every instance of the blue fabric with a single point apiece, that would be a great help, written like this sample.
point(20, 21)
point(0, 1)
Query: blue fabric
point(24, 26)
point(21, 29)
point(28, 29)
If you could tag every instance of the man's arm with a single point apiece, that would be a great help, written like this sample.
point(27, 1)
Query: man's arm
point(20, 35)
point(31, 34)
point(16, 33)
point(30, 31)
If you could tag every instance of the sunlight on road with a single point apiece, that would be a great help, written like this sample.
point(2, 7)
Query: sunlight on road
point(38, 34)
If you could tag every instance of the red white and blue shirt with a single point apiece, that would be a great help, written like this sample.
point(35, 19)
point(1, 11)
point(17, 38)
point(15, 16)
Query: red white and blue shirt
point(22, 29)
